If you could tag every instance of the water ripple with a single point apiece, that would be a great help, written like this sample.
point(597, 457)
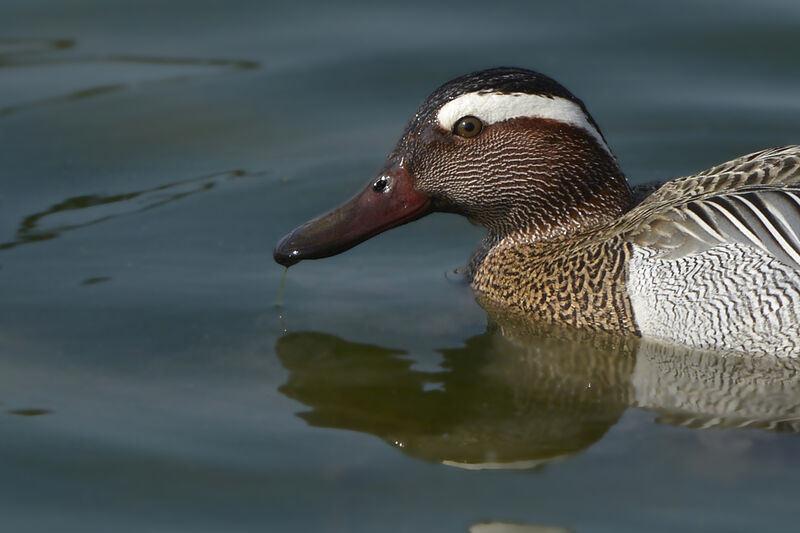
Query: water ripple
point(16, 53)
point(89, 209)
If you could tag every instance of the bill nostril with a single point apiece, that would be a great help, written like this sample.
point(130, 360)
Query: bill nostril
point(381, 184)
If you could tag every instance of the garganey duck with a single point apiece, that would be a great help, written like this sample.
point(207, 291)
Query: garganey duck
point(710, 260)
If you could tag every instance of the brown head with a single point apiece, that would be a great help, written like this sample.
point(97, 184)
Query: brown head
point(508, 148)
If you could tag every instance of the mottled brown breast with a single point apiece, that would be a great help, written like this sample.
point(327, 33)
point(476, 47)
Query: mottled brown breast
point(580, 282)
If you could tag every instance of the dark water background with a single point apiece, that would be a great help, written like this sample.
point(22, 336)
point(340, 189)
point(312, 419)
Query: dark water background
point(151, 153)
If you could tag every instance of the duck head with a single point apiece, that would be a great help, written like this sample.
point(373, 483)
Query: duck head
point(510, 149)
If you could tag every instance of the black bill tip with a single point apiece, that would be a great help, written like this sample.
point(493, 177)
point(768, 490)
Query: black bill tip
point(285, 253)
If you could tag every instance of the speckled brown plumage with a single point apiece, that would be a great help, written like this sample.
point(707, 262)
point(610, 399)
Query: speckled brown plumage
point(578, 283)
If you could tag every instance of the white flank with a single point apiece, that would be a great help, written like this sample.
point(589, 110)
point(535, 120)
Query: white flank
point(732, 296)
point(497, 107)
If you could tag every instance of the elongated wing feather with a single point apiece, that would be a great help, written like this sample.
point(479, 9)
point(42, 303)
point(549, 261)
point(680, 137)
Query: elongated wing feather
point(774, 167)
point(764, 217)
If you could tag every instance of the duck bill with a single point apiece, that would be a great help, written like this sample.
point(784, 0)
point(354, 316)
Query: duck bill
point(365, 215)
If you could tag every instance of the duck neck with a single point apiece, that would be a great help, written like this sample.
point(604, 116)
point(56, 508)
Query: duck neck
point(574, 197)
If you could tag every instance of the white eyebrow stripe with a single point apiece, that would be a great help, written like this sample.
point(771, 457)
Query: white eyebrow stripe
point(496, 107)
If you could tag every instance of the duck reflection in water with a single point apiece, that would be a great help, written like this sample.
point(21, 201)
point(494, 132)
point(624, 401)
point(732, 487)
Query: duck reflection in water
point(523, 394)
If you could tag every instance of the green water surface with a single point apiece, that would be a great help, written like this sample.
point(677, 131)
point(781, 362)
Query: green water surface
point(152, 153)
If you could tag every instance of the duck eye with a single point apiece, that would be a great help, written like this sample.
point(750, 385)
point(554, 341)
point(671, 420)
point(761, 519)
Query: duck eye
point(468, 127)
point(381, 184)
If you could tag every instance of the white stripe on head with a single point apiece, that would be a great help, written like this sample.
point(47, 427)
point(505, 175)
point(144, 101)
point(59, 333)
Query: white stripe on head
point(493, 107)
